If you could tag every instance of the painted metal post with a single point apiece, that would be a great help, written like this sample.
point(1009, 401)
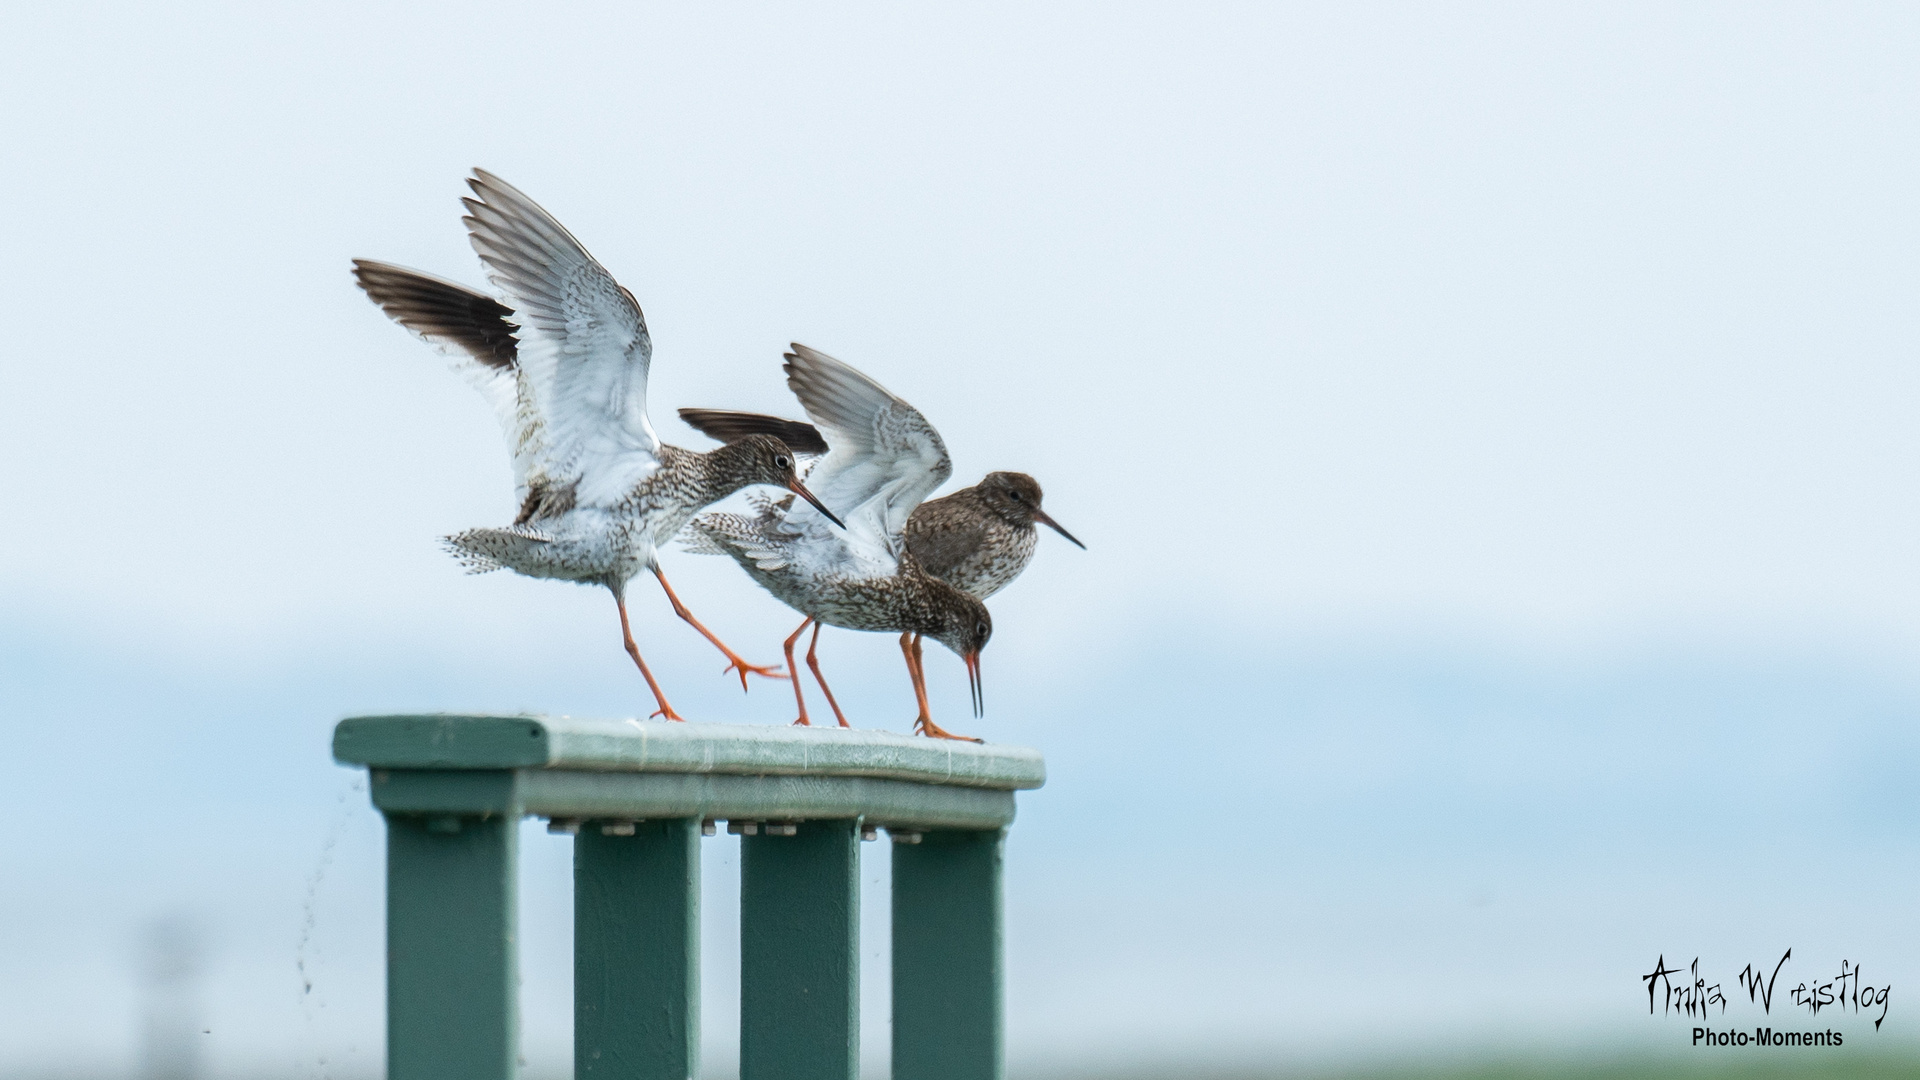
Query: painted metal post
point(800, 953)
point(452, 1009)
point(947, 1004)
point(636, 950)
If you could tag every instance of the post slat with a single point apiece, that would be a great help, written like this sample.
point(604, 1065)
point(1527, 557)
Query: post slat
point(947, 999)
point(800, 953)
point(451, 978)
point(636, 967)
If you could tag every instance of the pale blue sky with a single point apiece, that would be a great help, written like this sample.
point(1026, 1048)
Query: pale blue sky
point(1417, 377)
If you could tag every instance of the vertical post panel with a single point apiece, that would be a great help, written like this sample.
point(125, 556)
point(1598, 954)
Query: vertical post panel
point(947, 975)
point(800, 954)
point(636, 952)
point(452, 1008)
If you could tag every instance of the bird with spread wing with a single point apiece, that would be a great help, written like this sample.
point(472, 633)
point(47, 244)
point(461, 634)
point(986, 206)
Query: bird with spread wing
point(563, 357)
point(978, 538)
point(881, 459)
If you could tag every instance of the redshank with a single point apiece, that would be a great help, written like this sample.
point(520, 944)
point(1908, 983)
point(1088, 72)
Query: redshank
point(882, 458)
point(564, 362)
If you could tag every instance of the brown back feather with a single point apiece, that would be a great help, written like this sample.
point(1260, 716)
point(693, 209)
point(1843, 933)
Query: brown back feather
point(943, 533)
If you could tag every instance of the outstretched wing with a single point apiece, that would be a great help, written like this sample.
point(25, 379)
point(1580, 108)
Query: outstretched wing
point(472, 328)
point(583, 347)
point(726, 426)
point(445, 313)
point(882, 459)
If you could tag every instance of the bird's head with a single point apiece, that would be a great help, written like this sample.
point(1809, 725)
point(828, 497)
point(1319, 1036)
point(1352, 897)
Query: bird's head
point(764, 459)
point(1016, 497)
point(963, 625)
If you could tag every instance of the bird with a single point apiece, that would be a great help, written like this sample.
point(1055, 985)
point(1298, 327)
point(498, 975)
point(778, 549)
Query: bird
point(563, 357)
point(978, 538)
point(881, 458)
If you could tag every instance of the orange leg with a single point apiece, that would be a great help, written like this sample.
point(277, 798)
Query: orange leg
point(814, 663)
point(913, 672)
point(797, 698)
point(910, 648)
point(734, 663)
point(626, 633)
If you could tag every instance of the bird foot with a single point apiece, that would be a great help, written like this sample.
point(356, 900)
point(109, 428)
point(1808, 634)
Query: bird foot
point(666, 711)
point(745, 669)
point(924, 725)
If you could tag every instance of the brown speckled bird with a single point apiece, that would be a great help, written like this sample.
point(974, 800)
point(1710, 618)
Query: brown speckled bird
point(564, 362)
point(882, 457)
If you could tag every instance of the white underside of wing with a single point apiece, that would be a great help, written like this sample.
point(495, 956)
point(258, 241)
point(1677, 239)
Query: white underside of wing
point(883, 458)
point(583, 349)
point(575, 441)
point(873, 480)
point(820, 550)
point(802, 553)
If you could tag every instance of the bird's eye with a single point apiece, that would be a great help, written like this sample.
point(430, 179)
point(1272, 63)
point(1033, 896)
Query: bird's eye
point(783, 461)
point(980, 629)
point(1016, 496)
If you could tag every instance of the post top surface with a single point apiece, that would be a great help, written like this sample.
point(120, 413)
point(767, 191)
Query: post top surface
point(454, 741)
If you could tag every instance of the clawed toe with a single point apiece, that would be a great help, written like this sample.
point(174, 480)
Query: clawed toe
point(764, 671)
point(924, 725)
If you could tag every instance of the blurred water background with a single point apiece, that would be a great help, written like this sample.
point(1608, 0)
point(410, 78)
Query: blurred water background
point(1491, 427)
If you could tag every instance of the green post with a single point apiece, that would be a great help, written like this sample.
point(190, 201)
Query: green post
point(451, 981)
point(947, 1015)
point(636, 950)
point(800, 953)
point(454, 788)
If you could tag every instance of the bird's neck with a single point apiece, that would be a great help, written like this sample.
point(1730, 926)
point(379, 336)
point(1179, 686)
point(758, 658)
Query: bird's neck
point(922, 615)
point(711, 476)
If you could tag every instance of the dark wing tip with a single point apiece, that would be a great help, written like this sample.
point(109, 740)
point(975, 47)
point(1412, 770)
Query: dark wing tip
point(727, 425)
point(441, 310)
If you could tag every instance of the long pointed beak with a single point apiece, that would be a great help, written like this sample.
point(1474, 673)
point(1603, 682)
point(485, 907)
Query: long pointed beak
point(800, 489)
point(973, 683)
point(1042, 518)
